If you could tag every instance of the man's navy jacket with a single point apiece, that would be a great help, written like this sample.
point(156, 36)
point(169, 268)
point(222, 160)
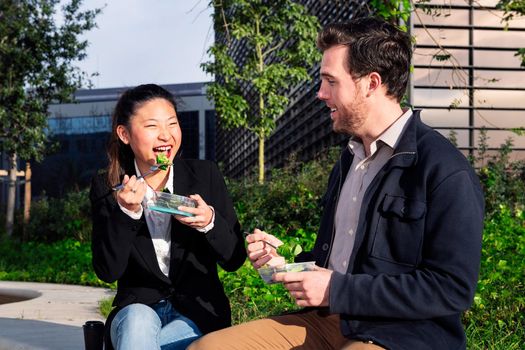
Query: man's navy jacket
point(415, 263)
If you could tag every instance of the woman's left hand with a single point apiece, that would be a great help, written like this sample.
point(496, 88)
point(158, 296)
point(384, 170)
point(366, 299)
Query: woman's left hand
point(202, 214)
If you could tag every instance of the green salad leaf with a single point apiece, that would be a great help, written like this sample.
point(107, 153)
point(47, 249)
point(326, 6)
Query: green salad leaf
point(162, 161)
point(289, 251)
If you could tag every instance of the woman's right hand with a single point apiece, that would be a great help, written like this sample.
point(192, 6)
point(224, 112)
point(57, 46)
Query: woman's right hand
point(131, 196)
point(261, 253)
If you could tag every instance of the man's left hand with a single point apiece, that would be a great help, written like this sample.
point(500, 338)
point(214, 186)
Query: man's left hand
point(309, 288)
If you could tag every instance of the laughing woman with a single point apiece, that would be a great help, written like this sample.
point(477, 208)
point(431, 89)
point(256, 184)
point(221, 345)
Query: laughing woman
point(169, 293)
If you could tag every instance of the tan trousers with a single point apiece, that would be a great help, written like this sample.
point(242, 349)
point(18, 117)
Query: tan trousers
point(309, 330)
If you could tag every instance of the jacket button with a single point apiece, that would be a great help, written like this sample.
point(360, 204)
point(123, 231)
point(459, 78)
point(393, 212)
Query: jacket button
point(325, 246)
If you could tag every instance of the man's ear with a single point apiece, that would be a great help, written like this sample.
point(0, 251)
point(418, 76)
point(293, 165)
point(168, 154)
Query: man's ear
point(374, 82)
point(123, 134)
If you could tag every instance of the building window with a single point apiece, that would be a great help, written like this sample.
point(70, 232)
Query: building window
point(189, 124)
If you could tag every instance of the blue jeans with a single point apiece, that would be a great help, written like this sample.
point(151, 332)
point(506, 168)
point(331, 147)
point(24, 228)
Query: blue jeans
point(160, 326)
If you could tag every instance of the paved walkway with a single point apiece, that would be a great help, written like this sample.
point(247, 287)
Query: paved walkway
point(45, 316)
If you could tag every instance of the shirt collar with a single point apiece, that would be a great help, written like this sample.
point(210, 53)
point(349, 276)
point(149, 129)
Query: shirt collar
point(392, 134)
point(389, 137)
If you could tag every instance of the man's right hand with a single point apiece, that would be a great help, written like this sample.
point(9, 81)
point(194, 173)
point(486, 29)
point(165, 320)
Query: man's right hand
point(260, 252)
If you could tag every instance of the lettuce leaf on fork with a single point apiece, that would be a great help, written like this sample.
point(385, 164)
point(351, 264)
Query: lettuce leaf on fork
point(162, 161)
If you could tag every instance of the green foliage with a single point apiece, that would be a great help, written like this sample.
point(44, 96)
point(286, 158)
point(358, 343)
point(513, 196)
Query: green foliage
point(520, 131)
point(37, 66)
point(511, 9)
point(521, 55)
point(251, 298)
point(453, 137)
point(497, 318)
point(67, 261)
point(37, 59)
point(503, 181)
point(393, 11)
point(105, 306)
point(278, 38)
point(442, 57)
point(55, 219)
point(289, 202)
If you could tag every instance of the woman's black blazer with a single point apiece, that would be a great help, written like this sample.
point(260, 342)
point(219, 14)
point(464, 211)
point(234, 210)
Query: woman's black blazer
point(123, 250)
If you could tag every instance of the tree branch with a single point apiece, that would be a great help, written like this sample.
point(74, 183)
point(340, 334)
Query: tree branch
point(269, 51)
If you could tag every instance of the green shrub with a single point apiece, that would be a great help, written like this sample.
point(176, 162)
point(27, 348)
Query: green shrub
point(496, 320)
point(289, 199)
point(250, 297)
point(67, 261)
point(55, 219)
point(503, 180)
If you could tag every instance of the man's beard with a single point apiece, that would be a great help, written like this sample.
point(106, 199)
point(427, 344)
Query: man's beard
point(351, 119)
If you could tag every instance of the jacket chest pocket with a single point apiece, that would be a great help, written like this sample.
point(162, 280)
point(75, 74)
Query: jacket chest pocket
point(399, 232)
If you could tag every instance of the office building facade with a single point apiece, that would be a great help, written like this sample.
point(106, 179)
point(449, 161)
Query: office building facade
point(476, 88)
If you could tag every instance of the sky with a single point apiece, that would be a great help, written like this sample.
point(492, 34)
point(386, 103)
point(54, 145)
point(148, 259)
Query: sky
point(148, 41)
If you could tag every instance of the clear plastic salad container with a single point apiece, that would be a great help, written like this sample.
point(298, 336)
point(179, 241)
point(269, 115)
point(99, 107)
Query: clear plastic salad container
point(169, 203)
point(266, 272)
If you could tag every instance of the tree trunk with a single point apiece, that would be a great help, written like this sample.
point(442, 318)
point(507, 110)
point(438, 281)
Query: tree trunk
point(261, 158)
point(27, 199)
point(11, 194)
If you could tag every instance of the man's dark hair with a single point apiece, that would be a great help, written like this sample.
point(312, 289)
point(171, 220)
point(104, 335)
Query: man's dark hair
point(373, 46)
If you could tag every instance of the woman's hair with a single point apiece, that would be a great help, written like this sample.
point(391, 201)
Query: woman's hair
point(373, 46)
point(120, 155)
